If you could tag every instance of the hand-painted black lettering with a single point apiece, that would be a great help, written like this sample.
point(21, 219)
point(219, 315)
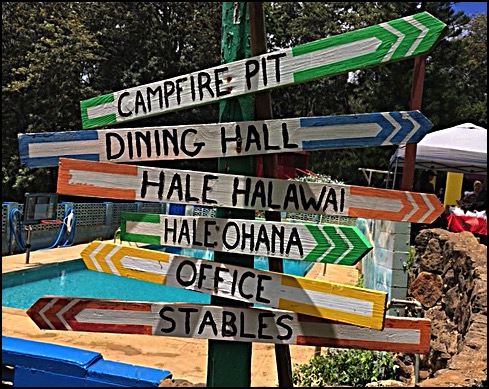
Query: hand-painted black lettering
point(204, 80)
point(183, 145)
point(244, 276)
point(280, 322)
point(230, 226)
point(143, 137)
point(264, 71)
point(206, 188)
point(119, 105)
point(192, 87)
point(247, 236)
point(291, 197)
point(187, 311)
point(311, 201)
point(219, 82)
point(228, 324)
point(235, 281)
point(169, 88)
point(294, 240)
point(175, 185)
point(145, 183)
point(217, 277)
point(172, 322)
point(139, 102)
point(259, 193)
point(259, 288)
point(252, 67)
point(262, 239)
point(195, 241)
point(152, 92)
point(342, 199)
point(188, 195)
point(208, 232)
point(242, 325)
point(184, 232)
point(172, 136)
point(285, 137)
point(225, 140)
point(270, 203)
point(130, 145)
point(169, 229)
point(178, 276)
point(157, 143)
point(276, 58)
point(245, 192)
point(331, 199)
point(278, 235)
point(203, 267)
point(262, 325)
point(109, 136)
point(179, 88)
point(208, 320)
point(252, 136)
point(266, 139)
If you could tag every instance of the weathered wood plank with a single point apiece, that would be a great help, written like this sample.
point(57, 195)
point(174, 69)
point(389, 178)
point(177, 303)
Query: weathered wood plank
point(395, 40)
point(404, 335)
point(129, 182)
point(224, 139)
point(344, 303)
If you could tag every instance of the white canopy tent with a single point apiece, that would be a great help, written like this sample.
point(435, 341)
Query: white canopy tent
point(460, 149)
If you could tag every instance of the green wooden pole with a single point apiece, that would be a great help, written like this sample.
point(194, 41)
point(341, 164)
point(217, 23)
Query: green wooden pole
point(229, 363)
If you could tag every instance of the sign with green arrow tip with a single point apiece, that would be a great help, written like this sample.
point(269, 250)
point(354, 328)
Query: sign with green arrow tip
point(396, 40)
point(327, 243)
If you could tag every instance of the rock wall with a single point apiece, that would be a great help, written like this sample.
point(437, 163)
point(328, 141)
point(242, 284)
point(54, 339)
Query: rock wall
point(448, 277)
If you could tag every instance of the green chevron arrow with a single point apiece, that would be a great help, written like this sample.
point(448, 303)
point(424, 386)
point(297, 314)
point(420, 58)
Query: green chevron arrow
point(338, 244)
point(344, 245)
point(396, 40)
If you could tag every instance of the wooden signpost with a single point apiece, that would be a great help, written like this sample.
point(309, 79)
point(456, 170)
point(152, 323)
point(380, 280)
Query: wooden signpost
point(129, 182)
point(404, 335)
point(395, 40)
point(328, 243)
point(224, 139)
point(300, 306)
point(344, 303)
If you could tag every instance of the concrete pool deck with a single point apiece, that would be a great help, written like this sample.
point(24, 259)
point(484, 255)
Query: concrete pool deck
point(185, 358)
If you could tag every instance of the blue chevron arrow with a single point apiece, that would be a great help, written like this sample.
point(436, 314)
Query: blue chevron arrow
point(393, 128)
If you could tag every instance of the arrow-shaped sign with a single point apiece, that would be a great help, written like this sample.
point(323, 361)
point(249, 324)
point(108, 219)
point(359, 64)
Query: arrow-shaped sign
point(224, 139)
point(128, 182)
point(404, 335)
point(375, 45)
point(344, 303)
point(344, 245)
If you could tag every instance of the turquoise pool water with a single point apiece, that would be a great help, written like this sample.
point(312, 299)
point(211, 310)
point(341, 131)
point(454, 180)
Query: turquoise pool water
point(20, 289)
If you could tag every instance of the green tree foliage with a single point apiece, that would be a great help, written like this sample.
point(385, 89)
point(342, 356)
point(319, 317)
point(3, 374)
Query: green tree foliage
point(56, 54)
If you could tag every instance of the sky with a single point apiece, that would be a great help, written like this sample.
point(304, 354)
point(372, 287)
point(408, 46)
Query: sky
point(471, 8)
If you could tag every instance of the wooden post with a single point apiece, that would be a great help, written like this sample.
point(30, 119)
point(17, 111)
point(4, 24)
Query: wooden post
point(229, 363)
point(415, 103)
point(263, 111)
point(416, 98)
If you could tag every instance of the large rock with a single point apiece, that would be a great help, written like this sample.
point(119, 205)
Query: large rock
point(449, 279)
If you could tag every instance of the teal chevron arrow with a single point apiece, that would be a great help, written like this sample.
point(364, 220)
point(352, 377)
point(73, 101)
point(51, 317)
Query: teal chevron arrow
point(396, 40)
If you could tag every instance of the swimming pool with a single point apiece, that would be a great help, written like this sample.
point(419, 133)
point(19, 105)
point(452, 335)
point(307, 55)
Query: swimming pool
point(21, 288)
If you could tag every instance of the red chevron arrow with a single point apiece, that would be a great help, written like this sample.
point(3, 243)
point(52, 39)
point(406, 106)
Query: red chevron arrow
point(59, 313)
